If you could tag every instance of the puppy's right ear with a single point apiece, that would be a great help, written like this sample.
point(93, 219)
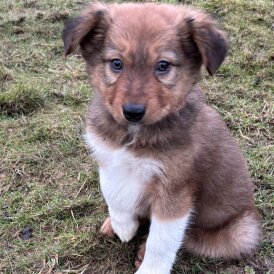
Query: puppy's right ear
point(90, 28)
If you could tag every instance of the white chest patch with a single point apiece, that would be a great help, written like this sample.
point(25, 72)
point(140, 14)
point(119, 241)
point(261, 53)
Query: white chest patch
point(122, 175)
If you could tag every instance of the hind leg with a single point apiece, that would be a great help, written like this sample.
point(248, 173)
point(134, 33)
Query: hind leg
point(141, 253)
point(239, 237)
point(106, 229)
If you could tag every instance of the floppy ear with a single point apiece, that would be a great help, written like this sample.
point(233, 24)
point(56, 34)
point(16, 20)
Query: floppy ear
point(211, 41)
point(90, 27)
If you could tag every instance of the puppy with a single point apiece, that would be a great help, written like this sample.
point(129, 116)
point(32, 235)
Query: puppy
point(163, 153)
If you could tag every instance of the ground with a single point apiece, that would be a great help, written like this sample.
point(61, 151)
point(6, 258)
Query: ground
point(50, 203)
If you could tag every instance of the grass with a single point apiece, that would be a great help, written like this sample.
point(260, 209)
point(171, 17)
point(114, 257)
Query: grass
point(49, 182)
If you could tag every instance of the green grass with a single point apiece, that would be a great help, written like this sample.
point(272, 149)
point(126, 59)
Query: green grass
point(48, 180)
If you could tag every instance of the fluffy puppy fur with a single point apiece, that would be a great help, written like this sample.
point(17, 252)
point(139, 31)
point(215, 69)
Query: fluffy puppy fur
point(178, 165)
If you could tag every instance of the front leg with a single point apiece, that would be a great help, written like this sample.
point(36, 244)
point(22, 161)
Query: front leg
point(121, 196)
point(124, 224)
point(164, 239)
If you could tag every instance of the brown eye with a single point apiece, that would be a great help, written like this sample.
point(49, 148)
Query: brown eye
point(162, 67)
point(116, 65)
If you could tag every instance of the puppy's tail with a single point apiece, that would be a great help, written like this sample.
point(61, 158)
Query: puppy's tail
point(239, 238)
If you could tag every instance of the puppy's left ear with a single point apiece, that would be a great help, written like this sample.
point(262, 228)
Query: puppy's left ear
point(211, 42)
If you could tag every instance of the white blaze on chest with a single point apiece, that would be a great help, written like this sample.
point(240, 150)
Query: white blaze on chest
point(122, 175)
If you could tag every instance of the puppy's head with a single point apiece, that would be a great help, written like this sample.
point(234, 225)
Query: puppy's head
point(144, 59)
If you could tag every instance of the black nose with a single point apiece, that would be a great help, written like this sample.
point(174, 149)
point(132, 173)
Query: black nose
point(134, 112)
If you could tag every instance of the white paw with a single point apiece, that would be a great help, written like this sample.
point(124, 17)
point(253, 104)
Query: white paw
point(125, 230)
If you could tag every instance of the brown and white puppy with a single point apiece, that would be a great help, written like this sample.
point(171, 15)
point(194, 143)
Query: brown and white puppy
point(163, 153)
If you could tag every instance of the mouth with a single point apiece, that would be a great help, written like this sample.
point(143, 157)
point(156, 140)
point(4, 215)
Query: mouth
point(134, 120)
point(132, 124)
